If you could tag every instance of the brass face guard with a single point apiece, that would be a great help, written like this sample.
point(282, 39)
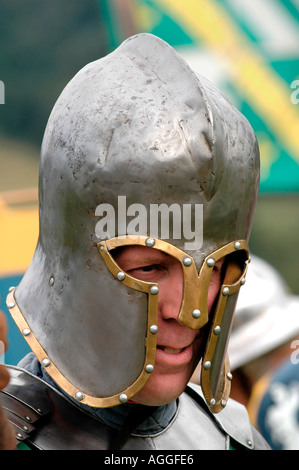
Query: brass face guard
point(215, 375)
point(194, 308)
point(193, 314)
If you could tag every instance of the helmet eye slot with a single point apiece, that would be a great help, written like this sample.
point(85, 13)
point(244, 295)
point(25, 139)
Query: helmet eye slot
point(235, 267)
point(145, 263)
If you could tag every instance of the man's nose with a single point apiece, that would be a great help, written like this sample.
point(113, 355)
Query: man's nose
point(170, 297)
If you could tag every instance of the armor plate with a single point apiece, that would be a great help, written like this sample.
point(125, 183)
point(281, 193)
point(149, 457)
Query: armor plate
point(44, 419)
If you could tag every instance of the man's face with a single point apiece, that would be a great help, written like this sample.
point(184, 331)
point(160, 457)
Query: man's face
point(178, 346)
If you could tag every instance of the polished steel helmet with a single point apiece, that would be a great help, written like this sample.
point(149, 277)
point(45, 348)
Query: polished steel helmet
point(267, 315)
point(136, 143)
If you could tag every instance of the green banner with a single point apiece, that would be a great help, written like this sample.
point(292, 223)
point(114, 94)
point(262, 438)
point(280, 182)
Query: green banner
point(250, 49)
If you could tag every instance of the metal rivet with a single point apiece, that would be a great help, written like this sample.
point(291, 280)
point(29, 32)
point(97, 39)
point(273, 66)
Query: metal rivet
point(25, 428)
point(19, 436)
point(212, 402)
point(210, 262)
point(46, 362)
point(207, 365)
point(123, 398)
point(225, 291)
point(28, 418)
point(243, 280)
point(120, 276)
point(237, 245)
point(196, 313)
point(11, 304)
point(149, 368)
point(229, 375)
point(249, 442)
point(11, 289)
point(102, 247)
point(153, 329)
point(154, 290)
point(52, 281)
point(217, 330)
point(223, 403)
point(26, 332)
point(79, 396)
point(187, 261)
point(150, 242)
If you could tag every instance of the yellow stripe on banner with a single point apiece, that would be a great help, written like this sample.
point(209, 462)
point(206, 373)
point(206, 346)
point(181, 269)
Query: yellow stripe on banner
point(19, 233)
point(263, 88)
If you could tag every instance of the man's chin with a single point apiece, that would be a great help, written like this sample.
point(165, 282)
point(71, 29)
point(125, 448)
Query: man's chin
point(160, 391)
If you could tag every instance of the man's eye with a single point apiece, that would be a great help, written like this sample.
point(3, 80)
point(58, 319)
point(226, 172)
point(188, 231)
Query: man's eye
point(147, 268)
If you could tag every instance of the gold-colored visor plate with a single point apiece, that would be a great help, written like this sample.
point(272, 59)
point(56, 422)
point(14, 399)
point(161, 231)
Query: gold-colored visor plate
point(215, 372)
point(194, 307)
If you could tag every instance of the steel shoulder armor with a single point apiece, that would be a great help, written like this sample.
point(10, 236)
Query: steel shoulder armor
point(44, 419)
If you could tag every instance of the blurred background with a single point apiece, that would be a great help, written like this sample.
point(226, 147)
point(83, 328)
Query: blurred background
point(249, 49)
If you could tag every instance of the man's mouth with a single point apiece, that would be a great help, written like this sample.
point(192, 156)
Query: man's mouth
point(170, 350)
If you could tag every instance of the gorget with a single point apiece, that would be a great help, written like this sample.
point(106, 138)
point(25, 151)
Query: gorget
point(45, 419)
point(115, 416)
